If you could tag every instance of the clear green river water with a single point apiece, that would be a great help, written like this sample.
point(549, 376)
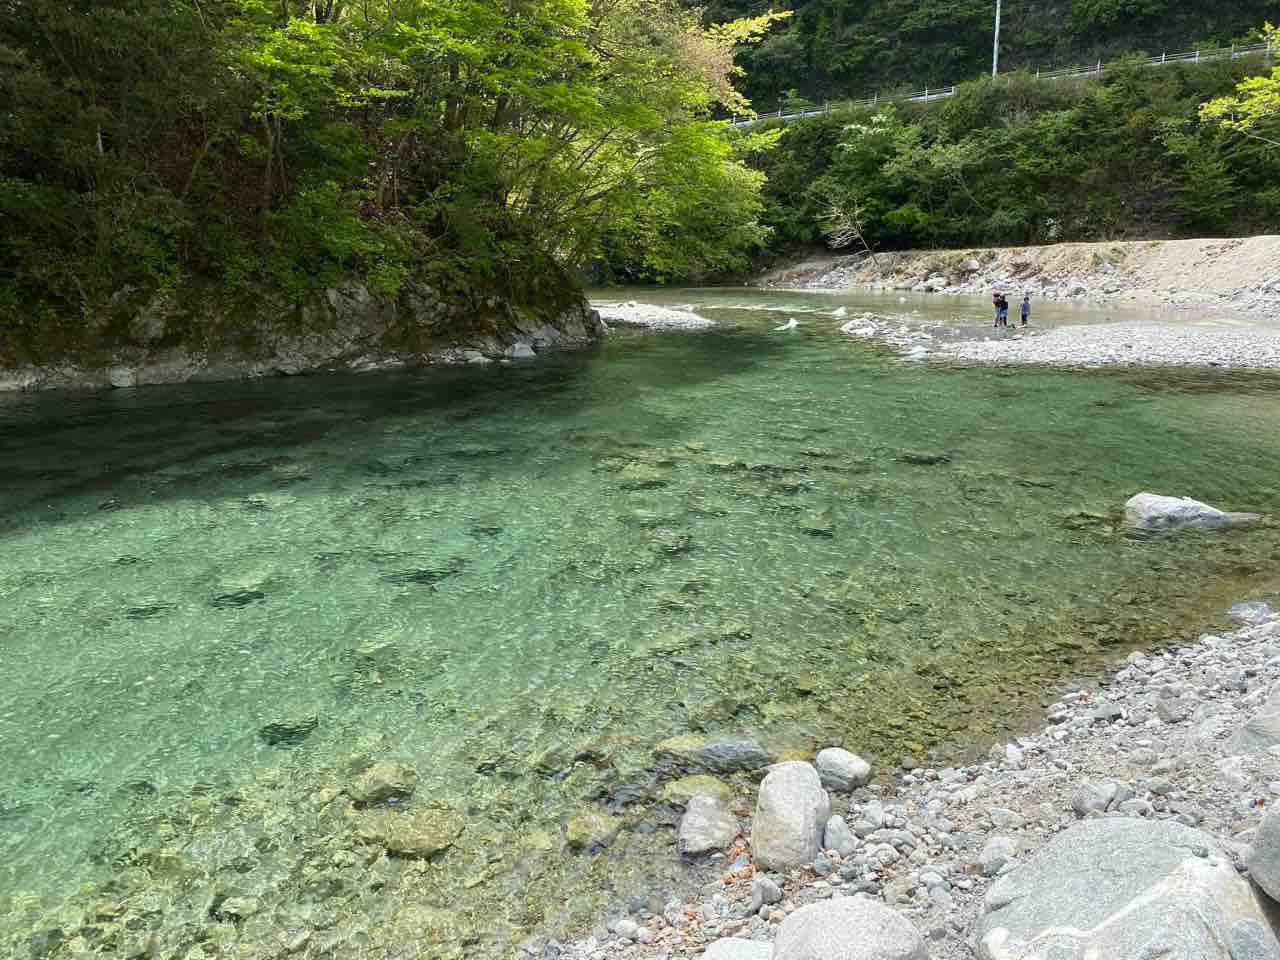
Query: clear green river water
point(218, 602)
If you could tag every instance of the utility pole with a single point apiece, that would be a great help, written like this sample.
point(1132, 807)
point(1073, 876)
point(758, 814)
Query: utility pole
point(995, 47)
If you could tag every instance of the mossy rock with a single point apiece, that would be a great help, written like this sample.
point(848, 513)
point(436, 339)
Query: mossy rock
point(678, 793)
point(724, 464)
point(682, 748)
point(417, 833)
point(590, 830)
point(821, 524)
point(385, 780)
point(639, 476)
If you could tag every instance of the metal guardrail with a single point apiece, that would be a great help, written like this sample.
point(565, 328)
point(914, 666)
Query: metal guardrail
point(931, 94)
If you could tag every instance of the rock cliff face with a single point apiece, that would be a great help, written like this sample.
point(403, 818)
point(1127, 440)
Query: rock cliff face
point(349, 328)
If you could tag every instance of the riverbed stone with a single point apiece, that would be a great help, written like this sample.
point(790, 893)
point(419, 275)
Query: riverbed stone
point(1154, 513)
point(1122, 889)
point(791, 813)
point(995, 854)
point(418, 833)
point(385, 780)
point(592, 829)
point(841, 770)
point(764, 892)
point(678, 793)
point(839, 837)
point(706, 825)
point(848, 928)
point(722, 755)
point(738, 948)
point(639, 476)
point(1264, 857)
point(1099, 796)
point(1262, 731)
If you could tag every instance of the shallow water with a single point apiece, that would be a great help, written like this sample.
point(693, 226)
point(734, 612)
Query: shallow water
point(490, 572)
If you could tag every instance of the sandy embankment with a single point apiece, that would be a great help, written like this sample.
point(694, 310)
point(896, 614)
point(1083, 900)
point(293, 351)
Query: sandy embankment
point(1221, 297)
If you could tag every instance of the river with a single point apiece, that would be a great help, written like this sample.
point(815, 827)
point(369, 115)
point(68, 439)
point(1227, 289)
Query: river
point(217, 602)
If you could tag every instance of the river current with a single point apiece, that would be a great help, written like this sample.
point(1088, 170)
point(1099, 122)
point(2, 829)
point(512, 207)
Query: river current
point(218, 601)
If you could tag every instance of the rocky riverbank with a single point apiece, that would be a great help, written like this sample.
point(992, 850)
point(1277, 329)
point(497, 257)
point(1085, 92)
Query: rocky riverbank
point(1125, 344)
point(347, 330)
point(1238, 276)
point(650, 316)
point(1132, 824)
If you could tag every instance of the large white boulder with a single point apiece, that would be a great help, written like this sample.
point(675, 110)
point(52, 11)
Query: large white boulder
point(848, 928)
point(1125, 889)
point(1153, 513)
point(792, 811)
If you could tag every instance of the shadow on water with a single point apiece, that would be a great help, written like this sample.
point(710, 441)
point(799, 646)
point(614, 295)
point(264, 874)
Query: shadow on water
point(80, 443)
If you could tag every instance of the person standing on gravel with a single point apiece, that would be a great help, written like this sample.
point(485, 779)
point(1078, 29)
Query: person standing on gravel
point(1026, 308)
point(995, 303)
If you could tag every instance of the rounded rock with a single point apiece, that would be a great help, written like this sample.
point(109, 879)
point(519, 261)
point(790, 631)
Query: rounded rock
point(791, 812)
point(841, 770)
point(848, 928)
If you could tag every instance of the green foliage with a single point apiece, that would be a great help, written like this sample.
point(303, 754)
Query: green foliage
point(1254, 109)
point(1016, 161)
point(835, 49)
point(232, 147)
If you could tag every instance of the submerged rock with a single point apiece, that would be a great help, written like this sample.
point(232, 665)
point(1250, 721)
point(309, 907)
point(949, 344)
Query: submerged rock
point(639, 476)
point(821, 523)
point(418, 833)
point(848, 928)
point(723, 756)
point(1152, 513)
point(288, 732)
point(237, 598)
point(385, 780)
point(590, 830)
point(791, 813)
point(1123, 889)
point(678, 793)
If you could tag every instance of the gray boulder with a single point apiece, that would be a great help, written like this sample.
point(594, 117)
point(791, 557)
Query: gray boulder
point(1124, 889)
point(839, 837)
point(792, 811)
point(995, 854)
point(1152, 513)
point(1099, 796)
point(1264, 858)
point(841, 770)
point(848, 928)
point(706, 826)
point(1262, 732)
point(763, 892)
point(737, 948)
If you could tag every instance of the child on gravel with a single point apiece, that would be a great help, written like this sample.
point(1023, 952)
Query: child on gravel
point(1026, 308)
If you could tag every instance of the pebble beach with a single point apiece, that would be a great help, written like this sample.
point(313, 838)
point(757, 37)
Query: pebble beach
point(1187, 736)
